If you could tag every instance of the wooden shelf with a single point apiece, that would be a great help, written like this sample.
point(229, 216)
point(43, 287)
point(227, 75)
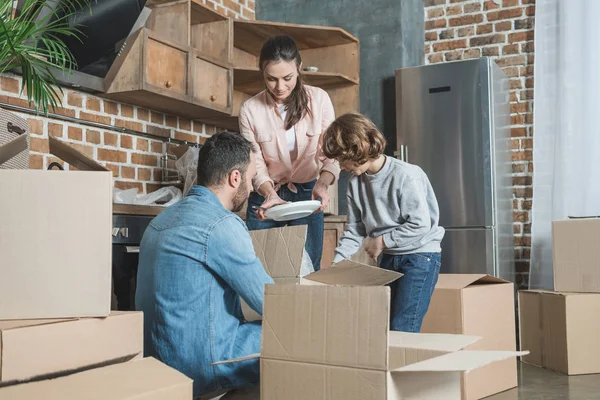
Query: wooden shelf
point(201, 14)
point(249, 36)
point(250, 81)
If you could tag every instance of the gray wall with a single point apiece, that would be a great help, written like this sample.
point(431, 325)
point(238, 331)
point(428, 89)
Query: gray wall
point(391, 34)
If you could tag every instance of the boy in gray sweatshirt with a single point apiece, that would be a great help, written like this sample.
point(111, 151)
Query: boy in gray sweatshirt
point(392, 208)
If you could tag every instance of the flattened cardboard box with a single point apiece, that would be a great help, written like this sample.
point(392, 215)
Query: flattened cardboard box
point(484, 306)
point(561, 330)
point(34, 349)
point(576, 255)
point(147, 379)
point(55, 242)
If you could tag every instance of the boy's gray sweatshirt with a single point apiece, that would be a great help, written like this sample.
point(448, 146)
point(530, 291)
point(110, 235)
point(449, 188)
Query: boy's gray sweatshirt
point(397, 202)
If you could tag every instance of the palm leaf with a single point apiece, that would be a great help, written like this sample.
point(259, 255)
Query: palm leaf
point(34, 45)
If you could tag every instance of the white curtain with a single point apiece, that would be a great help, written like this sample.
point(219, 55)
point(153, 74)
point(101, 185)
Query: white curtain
point(566, 139)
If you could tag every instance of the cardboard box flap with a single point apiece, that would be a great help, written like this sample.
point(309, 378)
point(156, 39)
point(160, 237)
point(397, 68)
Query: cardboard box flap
point(461, 281)
point(12, 148)
point(147, 378)
point(73, 156)
point(6, 325)
point(461, 361)
point(352, 273)
point(553, 293)
point(280, 250)
point(409, 348)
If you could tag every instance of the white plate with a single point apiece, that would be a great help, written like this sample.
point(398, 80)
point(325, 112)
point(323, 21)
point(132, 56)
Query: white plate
point(290, 211)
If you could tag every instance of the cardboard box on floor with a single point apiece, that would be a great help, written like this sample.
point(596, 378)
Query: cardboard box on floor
point(55, 240)
point(561, 330)
point(146, 379)
point(39, 349)
point(328, 338)
point(479, 305)
point(576, 255)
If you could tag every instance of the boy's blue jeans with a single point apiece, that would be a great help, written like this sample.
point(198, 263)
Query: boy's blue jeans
point(411, 293)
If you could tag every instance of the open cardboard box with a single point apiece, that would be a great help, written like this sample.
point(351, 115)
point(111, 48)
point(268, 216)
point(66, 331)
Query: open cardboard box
point(328, 337)
point(55, 240)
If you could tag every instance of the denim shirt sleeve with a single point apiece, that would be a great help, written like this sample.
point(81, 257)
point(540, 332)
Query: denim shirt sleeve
point(230, 255)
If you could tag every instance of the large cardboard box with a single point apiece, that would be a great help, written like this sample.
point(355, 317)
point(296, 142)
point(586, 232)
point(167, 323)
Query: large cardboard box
point(55, 241)
point(576, 255)
point(146, 379)
point(479, 305)
point(561, 330)
point(35, 349)
point(328, 338)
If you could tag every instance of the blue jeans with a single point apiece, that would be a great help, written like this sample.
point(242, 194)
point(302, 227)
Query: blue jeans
point(315, 222)
point(411, 293)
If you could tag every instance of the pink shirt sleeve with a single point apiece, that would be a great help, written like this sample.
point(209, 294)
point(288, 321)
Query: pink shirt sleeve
point(262, 171)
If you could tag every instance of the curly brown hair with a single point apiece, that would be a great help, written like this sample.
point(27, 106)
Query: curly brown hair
point(353, 137)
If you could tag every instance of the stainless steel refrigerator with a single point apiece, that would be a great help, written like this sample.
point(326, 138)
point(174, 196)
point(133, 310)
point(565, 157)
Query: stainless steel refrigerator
point(453, 120)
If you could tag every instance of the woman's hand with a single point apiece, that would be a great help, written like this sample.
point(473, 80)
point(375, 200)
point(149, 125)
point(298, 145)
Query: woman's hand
point(272, 199)
point(321, 189)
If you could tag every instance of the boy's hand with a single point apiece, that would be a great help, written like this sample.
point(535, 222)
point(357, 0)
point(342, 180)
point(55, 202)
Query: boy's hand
point(374, 246)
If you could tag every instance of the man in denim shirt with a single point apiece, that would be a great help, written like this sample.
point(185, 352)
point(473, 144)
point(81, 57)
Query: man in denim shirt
point(196, 260)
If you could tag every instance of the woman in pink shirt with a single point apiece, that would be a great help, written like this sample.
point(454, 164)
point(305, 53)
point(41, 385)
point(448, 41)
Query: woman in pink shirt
point(285, 122)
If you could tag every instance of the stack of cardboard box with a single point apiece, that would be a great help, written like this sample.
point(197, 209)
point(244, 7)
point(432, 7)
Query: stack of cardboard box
point(58, 337)
point(561, 327)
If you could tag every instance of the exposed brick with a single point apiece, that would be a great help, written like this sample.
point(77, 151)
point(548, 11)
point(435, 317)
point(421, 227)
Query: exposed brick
point(524, 2)
point(210, 130)
point(527, 227)
point(157, 118)
point(141, 144)
point(126, 111)
point(522, 241)
point(111, 107)
point(529, 83)
point(65, 111)
point(513, 60)
point(518, 132)
point(451, 45)
point(136, 126)
point(158, 131)
point(203, 139)
point(527, 71)
point(157, 147)
point(491, 5)
point(525, 155)
point(130, 185)
point(171, 121)
point(526, 253)
point(435, 24)
point(530, 58)
point(510, 49)
point(432, 35)
point(510, 3)
point(522, 180)
point(530, 11)
point(453, 55)
point(518, 168)
point(447, 34)
point(427, 48)
point(126, 141)
point(114, 168)
point(74, 99)
point(55, 130)
point(36, 126)
point(39, 145)
point(515, 204)
point(431, 3)
point(503, 26)
point(527, 23)
point(529, 119)
point(112, 155)
point(198, 127)
point(521, 216)
point(511, 72)
point(92, 136)
point(504, 14)
point(232, 5)
point(247, 13)
point(491, 52)
point(520, 37)
point(142, 114)
point(453, 10)
point(95, 118)
point(185, 136)
point(515, 144)
point(51, 159)
point(472, 7)
point(518, 119)
point(522, 267)
point(466, 20)
point(127, 172)
point(458, 1)
point(526, 94)
point(487, 40)
point(92, 104)
point(472, 53)
point(157, 175)
point(435, 13)
point(185, 124)
point(528, 47)
point(466, 31)
point(144, 159)
point(11, 85)
point(75, 133)
point(526, 204)
point(36, 161)
point(435, 58)
point(513, 97)
point(519, 108)
point(110, 139)
point(144, 174)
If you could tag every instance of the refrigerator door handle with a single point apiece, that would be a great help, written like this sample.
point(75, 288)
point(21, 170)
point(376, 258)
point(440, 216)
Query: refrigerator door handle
point(405, 153)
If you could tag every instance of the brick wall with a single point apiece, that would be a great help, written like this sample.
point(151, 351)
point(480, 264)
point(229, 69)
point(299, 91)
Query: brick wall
point(134, 160)
point(503, 30)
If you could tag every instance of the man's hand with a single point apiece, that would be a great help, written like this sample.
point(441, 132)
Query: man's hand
point(374, 246)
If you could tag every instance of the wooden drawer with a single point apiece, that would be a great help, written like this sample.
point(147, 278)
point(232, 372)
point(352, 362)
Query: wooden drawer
point(212, 83)
point(166, 66)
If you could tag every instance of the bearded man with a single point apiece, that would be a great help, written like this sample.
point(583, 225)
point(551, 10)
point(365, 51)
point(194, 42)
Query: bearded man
point(196, 261)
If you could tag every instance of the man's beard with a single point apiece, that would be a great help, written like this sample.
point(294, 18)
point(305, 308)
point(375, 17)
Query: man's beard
point(240, 197)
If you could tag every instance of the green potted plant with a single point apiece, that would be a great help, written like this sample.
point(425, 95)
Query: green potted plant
point(31, 42)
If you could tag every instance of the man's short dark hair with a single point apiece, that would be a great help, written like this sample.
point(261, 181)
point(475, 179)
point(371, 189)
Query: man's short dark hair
point(223, 153)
